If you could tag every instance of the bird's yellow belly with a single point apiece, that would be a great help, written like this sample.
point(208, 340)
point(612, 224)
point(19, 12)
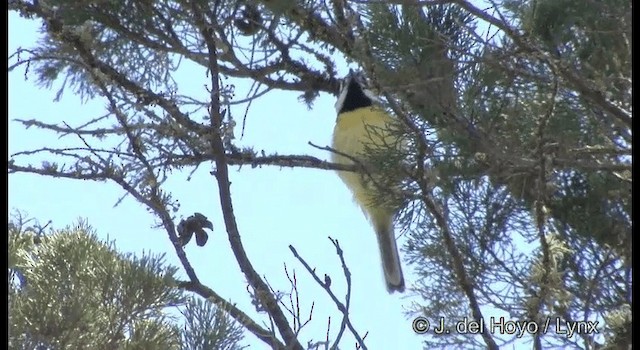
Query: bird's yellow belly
point(354, 131)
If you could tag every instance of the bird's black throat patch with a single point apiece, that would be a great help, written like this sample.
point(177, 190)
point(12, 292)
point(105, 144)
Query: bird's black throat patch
point(355, 98)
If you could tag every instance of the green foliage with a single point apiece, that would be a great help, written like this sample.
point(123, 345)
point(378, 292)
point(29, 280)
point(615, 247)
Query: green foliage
point(488, 181)
point(491, 231)
point(79, 293)
point(206, 327)
point(414, 34)
point(411, 52)
point(72, 291)
point(593, 36)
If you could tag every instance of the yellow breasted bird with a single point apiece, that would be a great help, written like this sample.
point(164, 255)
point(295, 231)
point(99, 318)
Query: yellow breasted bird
point(362, 125)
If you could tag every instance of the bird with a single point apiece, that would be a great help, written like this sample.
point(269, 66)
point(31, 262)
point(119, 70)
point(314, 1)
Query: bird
point(362, 124)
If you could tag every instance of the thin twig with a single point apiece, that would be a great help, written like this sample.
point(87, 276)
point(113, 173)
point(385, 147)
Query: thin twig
point(341, 307)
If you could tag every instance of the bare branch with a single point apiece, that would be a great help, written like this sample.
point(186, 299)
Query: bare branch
point(222, 177)
point(343, 308)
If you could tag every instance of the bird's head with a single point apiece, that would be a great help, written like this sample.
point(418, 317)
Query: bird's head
point(354, 94)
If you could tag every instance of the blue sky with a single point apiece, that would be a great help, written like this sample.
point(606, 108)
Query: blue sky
point(274, 207)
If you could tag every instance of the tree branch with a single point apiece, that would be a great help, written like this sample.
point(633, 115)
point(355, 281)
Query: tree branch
point(224, 190)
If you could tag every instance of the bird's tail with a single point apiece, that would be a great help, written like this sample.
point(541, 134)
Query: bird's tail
point(389, 256)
